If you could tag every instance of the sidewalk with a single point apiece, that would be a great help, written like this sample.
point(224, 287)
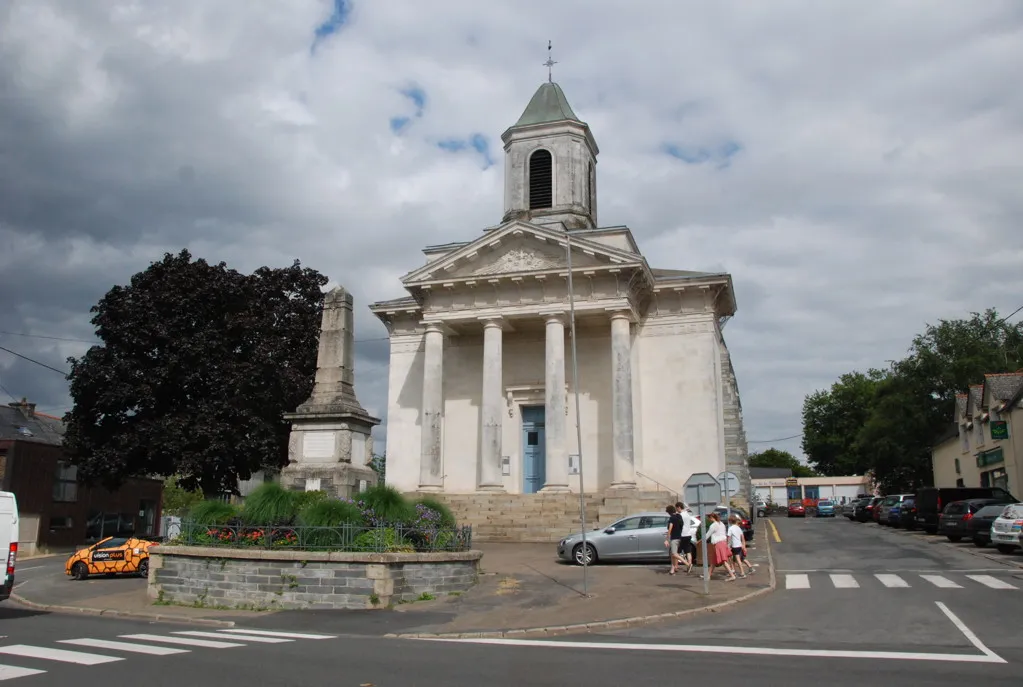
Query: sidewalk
point(524, 590)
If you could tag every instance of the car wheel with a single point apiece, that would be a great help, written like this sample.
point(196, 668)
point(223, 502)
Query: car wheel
point(1006, 548)
point(955, 539)
point(979, 543)
point(587, 558)
point(80, 571)
point(144, 567)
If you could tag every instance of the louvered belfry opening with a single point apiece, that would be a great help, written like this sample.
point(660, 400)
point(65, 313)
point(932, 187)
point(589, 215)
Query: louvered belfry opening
point(541, 180)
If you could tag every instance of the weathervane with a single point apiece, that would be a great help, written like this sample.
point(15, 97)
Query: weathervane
point(549, 63)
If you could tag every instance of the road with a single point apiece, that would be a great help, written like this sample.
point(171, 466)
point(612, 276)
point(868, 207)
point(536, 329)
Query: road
point(853, 602)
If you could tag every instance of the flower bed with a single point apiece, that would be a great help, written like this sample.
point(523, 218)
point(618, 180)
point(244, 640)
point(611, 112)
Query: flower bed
point(346, 537)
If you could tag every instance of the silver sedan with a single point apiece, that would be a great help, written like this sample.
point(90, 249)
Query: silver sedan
point(639, 536)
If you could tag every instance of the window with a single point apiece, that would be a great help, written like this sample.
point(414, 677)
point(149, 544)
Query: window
point(965, 436)
point(958, 469)
point(650, 522)
point(626, 524)
point(532, 438)
point(65, 483)
point(60, 522)
point(960, 482)
point(541, 180)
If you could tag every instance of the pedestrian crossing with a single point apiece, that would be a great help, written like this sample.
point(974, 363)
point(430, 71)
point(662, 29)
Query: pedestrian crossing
point(798, 581)
point(114, 650)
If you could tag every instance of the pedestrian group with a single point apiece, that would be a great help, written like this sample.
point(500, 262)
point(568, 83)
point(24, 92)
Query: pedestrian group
point(725, 545)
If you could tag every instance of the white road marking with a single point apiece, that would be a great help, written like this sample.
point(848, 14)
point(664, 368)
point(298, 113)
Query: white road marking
point(125, 646)
point(941, 581)
point(205, 643)
point(240, 638)
point(57, 655)
point(797, 582)
point(992, 582)
point(34, 567)
point(844, 582)
point(11, 672)
point(289, 635)
point(973, 639)
point(891, 580)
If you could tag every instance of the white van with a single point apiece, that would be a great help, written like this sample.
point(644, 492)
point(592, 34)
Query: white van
point(8, 542)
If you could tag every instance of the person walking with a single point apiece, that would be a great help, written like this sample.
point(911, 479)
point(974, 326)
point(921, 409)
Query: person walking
point(673, 538)
point(737, 544)
point(717, 538)
point(689, 523)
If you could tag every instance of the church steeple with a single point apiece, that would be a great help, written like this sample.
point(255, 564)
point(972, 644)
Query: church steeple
point(550, 164)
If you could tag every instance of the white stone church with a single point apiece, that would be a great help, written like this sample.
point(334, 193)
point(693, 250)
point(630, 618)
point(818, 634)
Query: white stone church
point(481, 395)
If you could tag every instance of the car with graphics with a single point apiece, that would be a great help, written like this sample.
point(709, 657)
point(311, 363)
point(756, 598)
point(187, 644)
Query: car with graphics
point(111, 556)
point(1007, 529)
point(639, 537)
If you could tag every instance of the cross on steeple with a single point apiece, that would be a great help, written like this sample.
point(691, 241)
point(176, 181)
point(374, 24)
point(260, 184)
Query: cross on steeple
point(549, 63)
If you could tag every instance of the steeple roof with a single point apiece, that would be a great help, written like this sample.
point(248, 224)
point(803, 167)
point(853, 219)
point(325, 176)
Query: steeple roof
point(549, 104)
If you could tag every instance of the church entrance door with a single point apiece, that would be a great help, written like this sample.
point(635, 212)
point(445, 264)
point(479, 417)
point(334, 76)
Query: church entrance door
point(534, 459)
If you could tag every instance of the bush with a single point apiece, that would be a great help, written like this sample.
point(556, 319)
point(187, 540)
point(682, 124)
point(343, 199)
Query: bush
point(270, 504)
point(388, 506)
point(212, 512)
point(330, 513)
point(305, 498)
point(383, 540)
point(445, 517)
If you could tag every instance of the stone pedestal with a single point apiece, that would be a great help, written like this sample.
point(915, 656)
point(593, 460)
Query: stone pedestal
point(331, 442)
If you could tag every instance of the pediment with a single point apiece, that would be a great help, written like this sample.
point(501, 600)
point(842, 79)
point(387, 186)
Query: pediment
point(520, 248)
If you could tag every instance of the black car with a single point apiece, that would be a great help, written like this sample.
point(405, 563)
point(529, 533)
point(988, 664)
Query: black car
point(907, 515)
point(931, 501)
point(850, 510)
point(744, 521)
point(865, 511)
point(957, 515)
point(978, 528)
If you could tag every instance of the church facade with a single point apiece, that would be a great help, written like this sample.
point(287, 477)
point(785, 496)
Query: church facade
point(481, 391)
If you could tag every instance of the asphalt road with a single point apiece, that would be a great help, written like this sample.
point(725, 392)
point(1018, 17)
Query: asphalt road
point(43, 580)
point(919, 631)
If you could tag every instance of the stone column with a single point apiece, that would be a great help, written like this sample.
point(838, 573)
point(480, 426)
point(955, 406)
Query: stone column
point(490, 477)
point(431, 476)
point(621, 402)
point(555, 420)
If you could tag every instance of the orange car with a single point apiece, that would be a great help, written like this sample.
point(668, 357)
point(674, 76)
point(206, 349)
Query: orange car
point(111, 556)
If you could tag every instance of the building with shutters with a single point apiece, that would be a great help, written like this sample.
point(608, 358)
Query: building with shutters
point(481, 398)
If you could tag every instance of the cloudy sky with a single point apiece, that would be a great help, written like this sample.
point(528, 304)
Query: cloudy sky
point(856, 166)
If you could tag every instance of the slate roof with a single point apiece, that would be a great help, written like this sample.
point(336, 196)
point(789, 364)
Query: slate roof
point(43, 429)
point(548, 104)
point(960, 406)
point(1003, 386)
point(769, 473)
point(976, 400)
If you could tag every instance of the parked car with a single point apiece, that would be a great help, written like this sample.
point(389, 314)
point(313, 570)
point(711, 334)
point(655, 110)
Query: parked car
point(865, 511)
point(875, 513)
point(761, 507)
point(931, 501)
point(635, 537)
point(957, 515)
point(850, 508)
point(825, 508)
point(978, 528)
point(907, 513)
point(797, 510)
point(1007, 528)
point(886, 506)
point(744, 522)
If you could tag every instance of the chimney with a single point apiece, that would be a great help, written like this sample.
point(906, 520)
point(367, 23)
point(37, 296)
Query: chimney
point(27, 409)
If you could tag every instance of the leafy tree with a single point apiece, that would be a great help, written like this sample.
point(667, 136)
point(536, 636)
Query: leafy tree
point(178, 501)
point(832, 420)
point(197, 366)
point(776, 458)
point(379, 465)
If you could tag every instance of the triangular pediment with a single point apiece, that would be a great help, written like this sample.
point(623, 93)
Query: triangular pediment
point(520, 247)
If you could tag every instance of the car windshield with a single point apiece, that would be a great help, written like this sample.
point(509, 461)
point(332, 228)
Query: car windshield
point(824, 503)
point(1013, 512)
point(990, 512)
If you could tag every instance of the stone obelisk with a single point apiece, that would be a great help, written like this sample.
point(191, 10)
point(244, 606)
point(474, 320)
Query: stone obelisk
point(331, 442)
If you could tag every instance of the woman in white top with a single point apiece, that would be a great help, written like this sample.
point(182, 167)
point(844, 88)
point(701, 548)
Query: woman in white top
point(717, 539)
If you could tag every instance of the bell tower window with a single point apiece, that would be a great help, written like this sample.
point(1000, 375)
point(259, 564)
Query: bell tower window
point(541, 180)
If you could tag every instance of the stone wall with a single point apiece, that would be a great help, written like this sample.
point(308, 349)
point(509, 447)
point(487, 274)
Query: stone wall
point(736, 449)
point(267, 579)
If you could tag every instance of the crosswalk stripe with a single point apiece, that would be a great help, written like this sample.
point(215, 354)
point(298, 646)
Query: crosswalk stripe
point(11, 672)
point(205, 643)
point(993, 582)
point(891, 580)
point(61, 655)
point(125, 646)
point(844, 581)
point(240, 638)
point(942, 582)
point(797, 582)
point(289, 635)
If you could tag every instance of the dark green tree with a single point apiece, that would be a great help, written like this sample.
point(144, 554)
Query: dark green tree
point(198, 363)
point(832, 420)
point(379, 465)
point(776, 458)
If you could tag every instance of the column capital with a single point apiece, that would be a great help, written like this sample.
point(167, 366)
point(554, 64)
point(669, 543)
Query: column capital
point(554, 316)
point(495, 321)
point(621, 314)
point(437, 327)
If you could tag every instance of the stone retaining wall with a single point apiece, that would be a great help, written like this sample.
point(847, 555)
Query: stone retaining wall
point(275, 579)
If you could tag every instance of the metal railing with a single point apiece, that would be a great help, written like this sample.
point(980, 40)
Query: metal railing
point(662, 486)
point(350, 538)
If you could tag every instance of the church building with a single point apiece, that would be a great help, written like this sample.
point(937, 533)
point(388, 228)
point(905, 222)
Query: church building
point(481, 396)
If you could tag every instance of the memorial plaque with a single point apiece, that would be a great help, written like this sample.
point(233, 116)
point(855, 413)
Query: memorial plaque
point(318, 444)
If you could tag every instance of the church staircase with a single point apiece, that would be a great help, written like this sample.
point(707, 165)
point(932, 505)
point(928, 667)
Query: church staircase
point(543, 518)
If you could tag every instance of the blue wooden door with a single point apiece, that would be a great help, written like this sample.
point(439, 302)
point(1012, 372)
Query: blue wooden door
point(534, 461)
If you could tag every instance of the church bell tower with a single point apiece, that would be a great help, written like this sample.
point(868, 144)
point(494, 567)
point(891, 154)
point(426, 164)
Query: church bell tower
point(550, 162)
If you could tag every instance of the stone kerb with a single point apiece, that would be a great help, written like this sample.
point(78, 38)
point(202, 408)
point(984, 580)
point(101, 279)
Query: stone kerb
point(260, 579)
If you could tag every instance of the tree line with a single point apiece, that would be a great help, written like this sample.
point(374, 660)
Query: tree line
point(886, 420)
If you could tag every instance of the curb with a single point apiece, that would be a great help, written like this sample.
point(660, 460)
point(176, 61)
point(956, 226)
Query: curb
point(121, 615)
point(619, 624)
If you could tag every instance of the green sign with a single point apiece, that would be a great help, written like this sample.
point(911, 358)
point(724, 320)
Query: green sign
point(999, 429)
point(990, 458)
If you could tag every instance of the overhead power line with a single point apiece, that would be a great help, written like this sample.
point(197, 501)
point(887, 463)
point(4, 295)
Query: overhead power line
point(25, 357)
point(771, 441)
